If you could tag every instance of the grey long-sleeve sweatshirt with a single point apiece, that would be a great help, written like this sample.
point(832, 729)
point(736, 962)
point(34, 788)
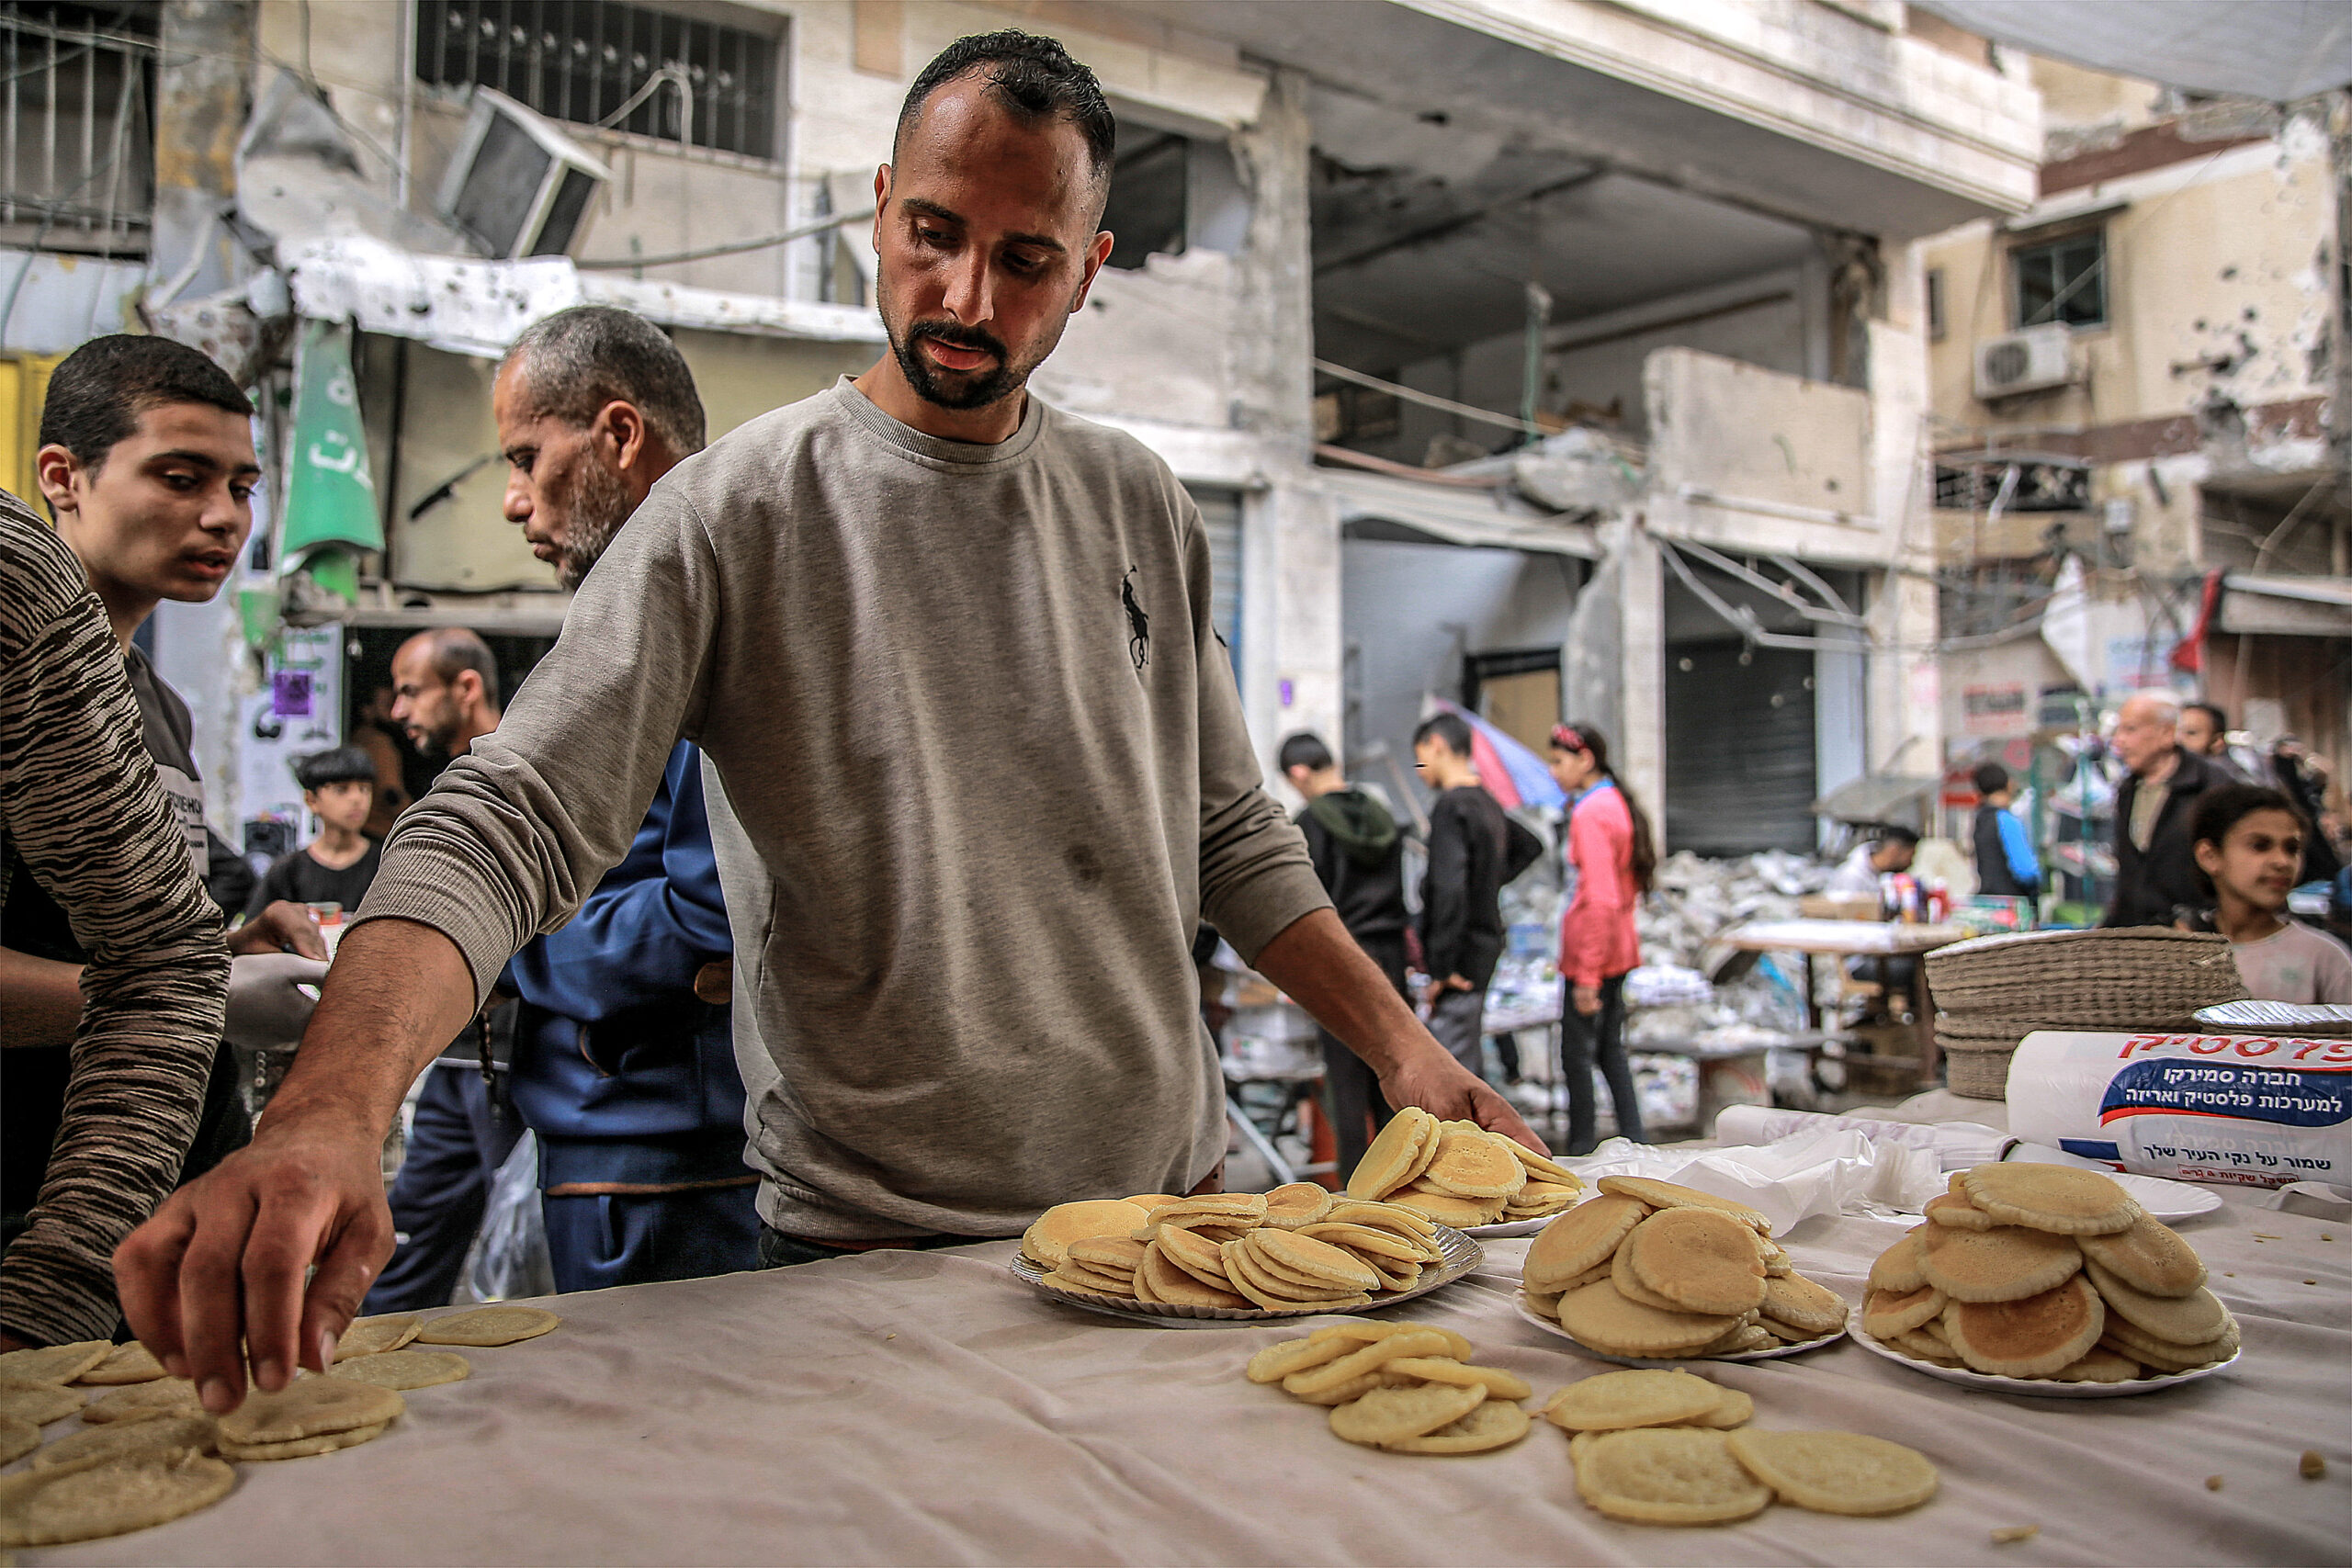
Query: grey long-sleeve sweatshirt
point(984, 772)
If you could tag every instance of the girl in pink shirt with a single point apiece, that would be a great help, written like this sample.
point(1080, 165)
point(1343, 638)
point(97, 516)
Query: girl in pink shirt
point(1611, 855)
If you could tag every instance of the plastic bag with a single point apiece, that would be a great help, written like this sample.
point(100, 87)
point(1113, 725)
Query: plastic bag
point(1794, 1179)
point(510, 1253)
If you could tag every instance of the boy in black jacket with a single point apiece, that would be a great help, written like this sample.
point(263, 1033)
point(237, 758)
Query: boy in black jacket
point(1475, 849)
point(1360, 855)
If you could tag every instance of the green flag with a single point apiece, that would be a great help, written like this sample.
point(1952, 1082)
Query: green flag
point(330, 494)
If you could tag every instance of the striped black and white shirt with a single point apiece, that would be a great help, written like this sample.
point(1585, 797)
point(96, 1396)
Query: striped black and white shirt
point(80, 807)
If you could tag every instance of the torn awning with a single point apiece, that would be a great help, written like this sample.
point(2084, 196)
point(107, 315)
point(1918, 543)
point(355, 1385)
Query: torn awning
point(1372, 505)
point(2287, 606)
point(2278, 50)
point(330, 492)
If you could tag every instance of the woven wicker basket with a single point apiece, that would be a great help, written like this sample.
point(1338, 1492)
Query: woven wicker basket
point(1978, 1075)
point(2116, 980)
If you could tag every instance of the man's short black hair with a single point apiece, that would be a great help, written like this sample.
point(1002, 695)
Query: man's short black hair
point(344, 764)
point(569, 364)
point(451, 650)
point(1305, 749)
point(2212, 711)
point(1450, 727)
point(1032, 78)
point(1991, 778)
point(1895, 833)
point(98, 392)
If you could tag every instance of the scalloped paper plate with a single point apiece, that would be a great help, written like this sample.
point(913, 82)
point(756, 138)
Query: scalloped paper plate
point(1551, 1326)
point(1462, 1255)
point(2033, 1388)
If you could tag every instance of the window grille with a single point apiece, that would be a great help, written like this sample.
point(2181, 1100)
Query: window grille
point(76, 147)
point(582, 61)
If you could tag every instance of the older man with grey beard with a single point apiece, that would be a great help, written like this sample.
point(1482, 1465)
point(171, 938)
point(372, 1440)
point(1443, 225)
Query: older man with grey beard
point(2155, 865)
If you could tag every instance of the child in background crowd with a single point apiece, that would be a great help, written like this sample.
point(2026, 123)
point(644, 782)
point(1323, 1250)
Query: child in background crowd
point(339, 788)
point(2249, 845)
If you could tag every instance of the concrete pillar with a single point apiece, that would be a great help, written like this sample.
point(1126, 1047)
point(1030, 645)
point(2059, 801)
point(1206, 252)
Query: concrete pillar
point(204, 64)
point(1906, 729)
point(1641, 592)
point(1292, 651)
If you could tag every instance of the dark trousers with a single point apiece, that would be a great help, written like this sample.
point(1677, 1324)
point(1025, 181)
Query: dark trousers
point(1351, 1089)
point(778, 1250)
point(1459, 1021)
point(1598, 1039)
point(602, 1239)
point(455, 1146)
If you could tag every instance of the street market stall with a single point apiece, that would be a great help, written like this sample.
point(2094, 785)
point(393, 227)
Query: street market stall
point(928, 1408)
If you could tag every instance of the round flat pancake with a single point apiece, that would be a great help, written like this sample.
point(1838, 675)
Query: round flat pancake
point(1496, 1424)
point(2098, 1366)
point(1734, 1409)
point(402, 1370)
point(1699, 1259)
point(1499, 1382)
point(1886, 1314)
point(2189, 1319)
point(1674, 1476)
point(2150, 1257)
point(88, 1498)
point(1394, 1156)
point(1958, 1212)
point(2005, 1264)
point(1636, 1397)
point(374, 1335)
point(1049, 1235)
point(54, 1363)
point(1800, 1302)
point(1313, 1259)
point(489, 1326)
point(1276, 1362)
point(39, 1403)
point(124, 1439)
point(1584, 1238)
point(2058, 1197)
point(308, 1407)
point(128, 1363)
point(1605, 1320)
point(303, 1448)
point(1172, 1286)
point(2028, 1338)
point(1447, 1209)
point(1836, 1473)
point(1473, 1163)
point(163, 1394)
point(1388, 1416)
point(1667, 1195)
point(19, 1438)
point(1898, 1268)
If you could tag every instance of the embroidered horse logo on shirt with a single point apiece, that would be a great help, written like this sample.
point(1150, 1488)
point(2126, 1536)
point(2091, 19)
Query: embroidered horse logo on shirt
point(1138, 623)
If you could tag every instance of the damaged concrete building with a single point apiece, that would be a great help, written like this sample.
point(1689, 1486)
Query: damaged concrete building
point(2141, 433)
point(1557, 357)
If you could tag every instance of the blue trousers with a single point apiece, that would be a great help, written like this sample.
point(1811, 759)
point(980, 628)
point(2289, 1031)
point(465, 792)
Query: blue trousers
point(630, 1238)
point(455, 1145)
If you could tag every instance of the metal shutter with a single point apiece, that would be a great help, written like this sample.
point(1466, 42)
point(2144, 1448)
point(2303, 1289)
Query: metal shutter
point(1739, 749)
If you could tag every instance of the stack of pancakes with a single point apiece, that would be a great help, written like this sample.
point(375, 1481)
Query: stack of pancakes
point(1297, 1250)
point(1650, 1269)
point(1996, 990)
point(1406, 1387)
point(1459, 1174)
point(2046, 1271)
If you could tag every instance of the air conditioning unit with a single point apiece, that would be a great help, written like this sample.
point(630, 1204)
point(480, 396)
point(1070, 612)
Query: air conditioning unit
point(2032, 361)
point(518, 186)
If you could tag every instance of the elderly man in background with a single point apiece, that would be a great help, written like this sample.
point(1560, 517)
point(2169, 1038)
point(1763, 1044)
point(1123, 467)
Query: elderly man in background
point(2155, 864)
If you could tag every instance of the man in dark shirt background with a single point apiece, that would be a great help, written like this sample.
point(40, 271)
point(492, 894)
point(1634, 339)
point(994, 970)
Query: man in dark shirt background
point(1360, 855)
point(1475, 849)
point(2156, 870)
point(339, 788)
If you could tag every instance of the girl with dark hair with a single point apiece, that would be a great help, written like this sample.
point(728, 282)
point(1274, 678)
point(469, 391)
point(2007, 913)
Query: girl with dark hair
point(2248, 843)
point(1612, 856)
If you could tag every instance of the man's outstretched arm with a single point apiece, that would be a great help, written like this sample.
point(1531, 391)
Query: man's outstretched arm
point(1319, 964)
point(224, 1259)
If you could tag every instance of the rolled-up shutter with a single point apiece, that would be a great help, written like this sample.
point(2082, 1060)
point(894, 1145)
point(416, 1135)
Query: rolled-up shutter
point(1221, 520)
point(1739, 749)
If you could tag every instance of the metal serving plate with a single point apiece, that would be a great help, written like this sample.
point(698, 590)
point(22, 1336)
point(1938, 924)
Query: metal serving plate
point(1461, 1255)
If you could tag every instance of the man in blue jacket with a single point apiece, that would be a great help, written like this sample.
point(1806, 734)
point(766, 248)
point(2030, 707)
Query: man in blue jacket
point(624, 1049)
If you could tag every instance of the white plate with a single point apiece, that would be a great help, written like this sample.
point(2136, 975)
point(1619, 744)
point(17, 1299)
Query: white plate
point(2037, 1388)
point(2168, 1200)
point(1511, 1227)
point(1462, 1255)
point(1551, 1326)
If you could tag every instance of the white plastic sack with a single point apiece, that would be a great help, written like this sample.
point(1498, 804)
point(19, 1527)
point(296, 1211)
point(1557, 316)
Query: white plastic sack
point(1837, 1172)
point(510, 1254)
point(1955, 1144)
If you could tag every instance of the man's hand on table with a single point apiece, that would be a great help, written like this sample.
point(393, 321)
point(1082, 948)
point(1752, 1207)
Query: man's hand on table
point(224, 1257)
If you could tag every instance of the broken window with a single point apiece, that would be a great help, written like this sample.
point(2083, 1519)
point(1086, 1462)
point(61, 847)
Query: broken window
point(585, 60)
point(1171, 193)
point(2062, 280)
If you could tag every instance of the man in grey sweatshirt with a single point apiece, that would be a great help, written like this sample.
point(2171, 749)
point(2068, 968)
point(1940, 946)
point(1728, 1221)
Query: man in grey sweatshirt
point(949, 653)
